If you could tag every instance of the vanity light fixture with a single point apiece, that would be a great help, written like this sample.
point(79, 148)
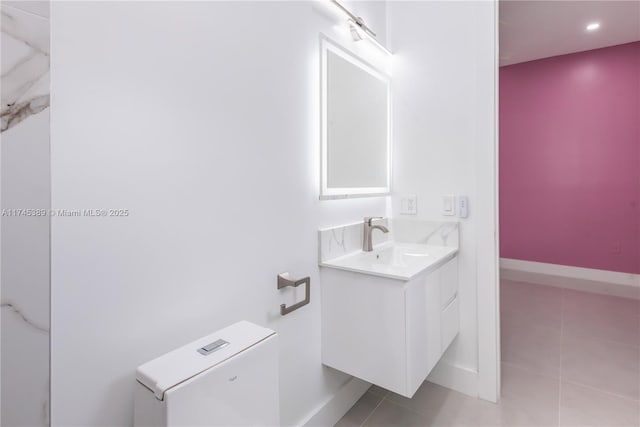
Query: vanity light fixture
point(593, 26)
point(360, 30)
point(359, 33)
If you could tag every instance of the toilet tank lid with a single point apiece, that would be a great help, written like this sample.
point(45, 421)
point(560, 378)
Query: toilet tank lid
point(177, 366)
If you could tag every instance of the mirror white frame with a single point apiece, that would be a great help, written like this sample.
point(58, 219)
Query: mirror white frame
point(326, 192)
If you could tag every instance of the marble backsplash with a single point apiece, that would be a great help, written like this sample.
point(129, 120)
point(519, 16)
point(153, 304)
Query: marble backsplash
point(342, 240)
point(24, 294)
point(25, 60)
point(345, 239)
point(438, 233)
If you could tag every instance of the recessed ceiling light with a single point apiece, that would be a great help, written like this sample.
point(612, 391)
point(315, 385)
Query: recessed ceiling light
point(593, 26)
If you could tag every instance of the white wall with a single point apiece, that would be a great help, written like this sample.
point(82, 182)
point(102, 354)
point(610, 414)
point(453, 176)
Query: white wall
point(202, 120)
point(444, 99)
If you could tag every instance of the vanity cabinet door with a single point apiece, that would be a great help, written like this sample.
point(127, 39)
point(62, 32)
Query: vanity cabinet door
point(432, 321)
point(363, 328)
point(450, 320)
point(449, 282)
point(423, 328)
point(450, 324)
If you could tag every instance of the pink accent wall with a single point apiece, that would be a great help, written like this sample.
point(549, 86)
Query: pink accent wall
point(570, 159)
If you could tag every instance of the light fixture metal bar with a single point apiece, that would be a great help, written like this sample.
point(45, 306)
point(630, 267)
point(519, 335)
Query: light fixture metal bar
point(356, 19)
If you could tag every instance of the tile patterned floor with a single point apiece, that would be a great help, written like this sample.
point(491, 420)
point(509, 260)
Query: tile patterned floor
point(569, 358)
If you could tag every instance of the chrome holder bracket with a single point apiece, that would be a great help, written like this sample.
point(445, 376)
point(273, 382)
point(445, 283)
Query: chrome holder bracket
point(285, 280)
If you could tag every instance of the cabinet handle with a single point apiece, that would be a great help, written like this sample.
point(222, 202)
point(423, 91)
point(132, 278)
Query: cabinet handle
point(285, 280)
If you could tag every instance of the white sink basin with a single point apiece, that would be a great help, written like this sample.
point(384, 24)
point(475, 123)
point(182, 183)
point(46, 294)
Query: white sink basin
point(402, 261)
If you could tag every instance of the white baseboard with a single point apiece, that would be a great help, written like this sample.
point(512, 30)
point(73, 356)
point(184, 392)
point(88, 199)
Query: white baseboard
point(586, 279)
point(456, 378)
point(331, 410)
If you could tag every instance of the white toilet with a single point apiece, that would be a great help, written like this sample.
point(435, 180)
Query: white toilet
point(228, 378)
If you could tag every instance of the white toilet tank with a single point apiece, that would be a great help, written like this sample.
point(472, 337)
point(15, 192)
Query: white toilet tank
point(228, 378)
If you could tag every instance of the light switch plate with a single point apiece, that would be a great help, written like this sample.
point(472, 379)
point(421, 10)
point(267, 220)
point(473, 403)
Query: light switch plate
point(449, 205)
point(409, 204)
point(463, 206)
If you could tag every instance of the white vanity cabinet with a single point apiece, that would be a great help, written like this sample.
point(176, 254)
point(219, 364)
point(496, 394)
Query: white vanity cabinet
point(387, 331)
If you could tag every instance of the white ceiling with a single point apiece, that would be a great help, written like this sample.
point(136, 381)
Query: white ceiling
point(539, 29)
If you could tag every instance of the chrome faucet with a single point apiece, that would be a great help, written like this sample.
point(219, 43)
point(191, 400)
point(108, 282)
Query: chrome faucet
point(367, 244)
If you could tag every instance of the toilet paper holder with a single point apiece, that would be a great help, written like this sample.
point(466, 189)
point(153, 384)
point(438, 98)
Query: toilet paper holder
point(284, 280)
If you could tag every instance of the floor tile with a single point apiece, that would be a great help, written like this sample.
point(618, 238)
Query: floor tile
point(612, 326)
point(603, 365)
point(360, 411)
point(444, 407)
point(528, 399)
point(379, 391)
point(476, 412)
point(517, 288)
point(587, 302)
point(521, 310)
point(580, 406)
point(389, 414)
point(532, 347)
point(431, 400)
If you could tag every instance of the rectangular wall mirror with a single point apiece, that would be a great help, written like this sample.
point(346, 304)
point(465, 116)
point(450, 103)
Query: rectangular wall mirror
point(355, 125)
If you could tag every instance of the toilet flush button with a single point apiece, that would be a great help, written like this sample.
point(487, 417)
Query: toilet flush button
point(213, 347)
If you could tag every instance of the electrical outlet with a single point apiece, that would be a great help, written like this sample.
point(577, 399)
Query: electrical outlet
point(409, 204)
